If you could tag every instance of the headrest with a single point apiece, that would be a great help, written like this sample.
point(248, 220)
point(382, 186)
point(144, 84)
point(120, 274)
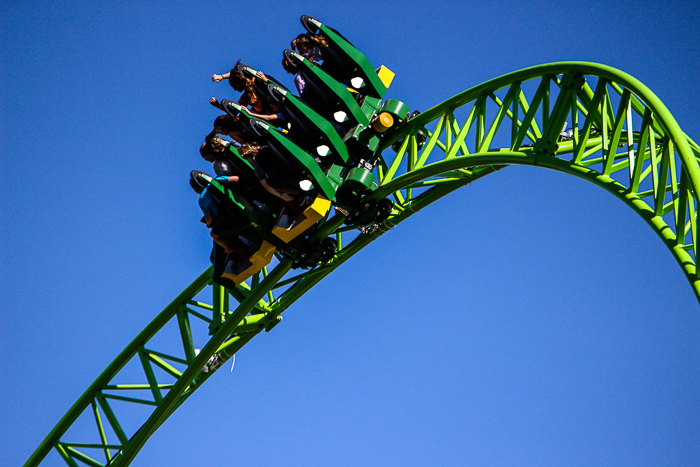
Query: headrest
point(196, 179)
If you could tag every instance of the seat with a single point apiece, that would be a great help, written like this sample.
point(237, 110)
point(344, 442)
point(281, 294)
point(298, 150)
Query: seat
point(326, 95)
point(288, 150)
point(307, 128)
point(240, 215)
point(347, 63)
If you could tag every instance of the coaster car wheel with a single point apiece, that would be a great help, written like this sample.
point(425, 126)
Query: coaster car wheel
point(328, 248)
point(370, 213)
point(384, 208)
point(316, 254)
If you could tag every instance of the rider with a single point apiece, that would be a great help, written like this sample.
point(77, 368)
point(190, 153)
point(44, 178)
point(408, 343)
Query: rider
point(223, 227)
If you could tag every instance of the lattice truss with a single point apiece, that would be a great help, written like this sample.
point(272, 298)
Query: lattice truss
point(170, 359)
point(604, 127)
point(589, 126)
point(121, 402)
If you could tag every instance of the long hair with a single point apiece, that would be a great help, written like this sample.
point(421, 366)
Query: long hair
point(236, 79)
point(207, 153)
point(309, 40)
point(227, 123)
point(240, 83)
point(252, 95)
point(218, 145)
point(248, 151)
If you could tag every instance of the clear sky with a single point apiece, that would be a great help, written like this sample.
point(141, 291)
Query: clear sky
point(529, 319)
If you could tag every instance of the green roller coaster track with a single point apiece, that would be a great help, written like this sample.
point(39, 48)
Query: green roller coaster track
point(622, 139)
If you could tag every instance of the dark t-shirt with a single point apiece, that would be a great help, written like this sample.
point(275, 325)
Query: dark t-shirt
point(279, 171)
point(248, 184)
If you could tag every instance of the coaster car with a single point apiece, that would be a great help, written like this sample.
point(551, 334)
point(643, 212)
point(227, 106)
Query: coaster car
point(286, 149)
point(307, 166)
point(256, 236)
point(344, 62)
point(246, 219)
point(260, 86)
point(307, 128)
point(231, 271)
point(326, 95)
point(328, 148)
point(248, 184)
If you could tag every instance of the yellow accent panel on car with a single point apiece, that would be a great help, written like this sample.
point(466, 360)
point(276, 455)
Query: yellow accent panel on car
point(386, 75)
point(309, 217)
point(259, 260)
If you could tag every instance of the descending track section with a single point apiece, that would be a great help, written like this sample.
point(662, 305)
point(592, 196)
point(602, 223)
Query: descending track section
point(621, 138)
point(584, 119)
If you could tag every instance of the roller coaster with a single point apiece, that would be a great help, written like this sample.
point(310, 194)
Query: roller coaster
point(371, 164)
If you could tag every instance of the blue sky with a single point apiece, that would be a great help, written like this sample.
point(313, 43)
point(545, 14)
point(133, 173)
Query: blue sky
point(528, 319)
